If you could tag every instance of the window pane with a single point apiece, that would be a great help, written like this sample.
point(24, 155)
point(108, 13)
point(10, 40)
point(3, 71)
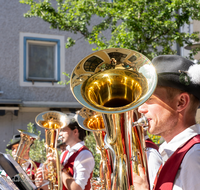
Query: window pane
point(41, 60)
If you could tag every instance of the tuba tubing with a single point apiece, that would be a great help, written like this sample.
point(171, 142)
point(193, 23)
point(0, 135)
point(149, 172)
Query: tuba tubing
point(115, 82)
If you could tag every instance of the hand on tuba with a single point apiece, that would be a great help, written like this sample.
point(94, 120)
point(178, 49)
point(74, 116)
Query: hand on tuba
point(42, 174)
point(140, 181)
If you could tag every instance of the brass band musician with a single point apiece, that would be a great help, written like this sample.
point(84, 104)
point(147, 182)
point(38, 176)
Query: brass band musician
point(26, 161)
point(77, 161)
point(171, 112)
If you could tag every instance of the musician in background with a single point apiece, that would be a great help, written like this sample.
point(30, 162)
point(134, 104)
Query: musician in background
point(26, 161)
point(171, 112)
point(77, 161)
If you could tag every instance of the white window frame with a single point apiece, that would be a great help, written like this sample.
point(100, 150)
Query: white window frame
point(56, 40)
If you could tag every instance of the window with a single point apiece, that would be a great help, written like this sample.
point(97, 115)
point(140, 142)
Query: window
point(41, 59)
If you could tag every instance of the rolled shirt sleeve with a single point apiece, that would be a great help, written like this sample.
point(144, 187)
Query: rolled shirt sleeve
point(83, 166)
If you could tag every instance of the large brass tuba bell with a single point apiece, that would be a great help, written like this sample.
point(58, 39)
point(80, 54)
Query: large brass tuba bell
point(52, 122)
point(114, 82)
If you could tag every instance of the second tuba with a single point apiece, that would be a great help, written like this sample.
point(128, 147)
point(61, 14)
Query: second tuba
point(26, 140)
point(52, 122)
point(115, 82)
point(93, 122)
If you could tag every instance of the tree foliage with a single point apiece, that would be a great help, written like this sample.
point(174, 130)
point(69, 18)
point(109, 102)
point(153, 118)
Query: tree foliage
point(37, 150)
point(90, 142)
point(148, 26)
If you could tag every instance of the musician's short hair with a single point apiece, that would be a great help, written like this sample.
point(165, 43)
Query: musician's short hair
point(74, 125)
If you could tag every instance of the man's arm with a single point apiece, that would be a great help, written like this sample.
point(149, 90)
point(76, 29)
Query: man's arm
point(69, 181)
point(83, 167)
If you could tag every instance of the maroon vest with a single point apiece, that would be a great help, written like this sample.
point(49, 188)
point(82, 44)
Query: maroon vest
point(69, 165)
point(151, 144)
point(168, 172)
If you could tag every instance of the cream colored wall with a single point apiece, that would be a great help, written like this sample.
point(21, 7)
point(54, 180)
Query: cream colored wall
point(196, 28)
point(198, 116)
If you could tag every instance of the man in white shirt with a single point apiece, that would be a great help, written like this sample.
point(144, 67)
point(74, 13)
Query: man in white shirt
point(73, 136)
point(171, 112)
point(77, 161)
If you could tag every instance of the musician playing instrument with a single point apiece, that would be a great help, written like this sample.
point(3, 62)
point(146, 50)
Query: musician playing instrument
point(77, 161)
point(171, 112)
point(25, 162)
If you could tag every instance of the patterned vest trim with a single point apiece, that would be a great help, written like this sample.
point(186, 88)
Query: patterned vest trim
point(166, 182)
point(69, 165)
point(151, 144)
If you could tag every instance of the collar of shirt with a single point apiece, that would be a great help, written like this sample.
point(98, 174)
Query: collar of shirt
point(76, 147)
point(167, 149)
point(73, 149)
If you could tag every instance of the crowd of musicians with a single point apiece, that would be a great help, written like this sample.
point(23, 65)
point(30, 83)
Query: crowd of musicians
point(171, 112)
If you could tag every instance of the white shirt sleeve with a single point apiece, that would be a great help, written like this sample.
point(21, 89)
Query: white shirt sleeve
point(83, 166)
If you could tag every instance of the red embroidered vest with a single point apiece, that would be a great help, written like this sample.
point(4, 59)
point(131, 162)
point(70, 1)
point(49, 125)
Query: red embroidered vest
point(69, 165)
point(168, 172)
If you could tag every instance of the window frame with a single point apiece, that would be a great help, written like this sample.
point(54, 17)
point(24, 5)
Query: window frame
point(26, 38)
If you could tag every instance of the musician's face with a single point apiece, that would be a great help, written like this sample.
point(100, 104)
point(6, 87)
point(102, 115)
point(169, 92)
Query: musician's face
point(68, 136)
point(160, 112)
point(14, 149)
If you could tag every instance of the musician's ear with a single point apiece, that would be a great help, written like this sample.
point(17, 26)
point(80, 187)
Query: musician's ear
point(76, 131)
point(183, 101)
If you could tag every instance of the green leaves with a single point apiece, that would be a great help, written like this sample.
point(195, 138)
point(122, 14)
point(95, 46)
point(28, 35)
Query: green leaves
point(66, 82)
point(37, 151)
point(90, 142)
point(140, 25)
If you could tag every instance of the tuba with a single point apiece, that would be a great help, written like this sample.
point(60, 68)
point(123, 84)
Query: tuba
point(93, 122)
point(52, 122)
point(26, 141)
point(114, 82)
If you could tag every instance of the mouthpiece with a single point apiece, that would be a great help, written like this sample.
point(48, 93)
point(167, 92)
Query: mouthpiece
point(143, 121)
point(60, 138)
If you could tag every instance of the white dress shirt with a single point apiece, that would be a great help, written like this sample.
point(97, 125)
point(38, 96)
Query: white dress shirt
point(83, 164)
point(187, 177)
